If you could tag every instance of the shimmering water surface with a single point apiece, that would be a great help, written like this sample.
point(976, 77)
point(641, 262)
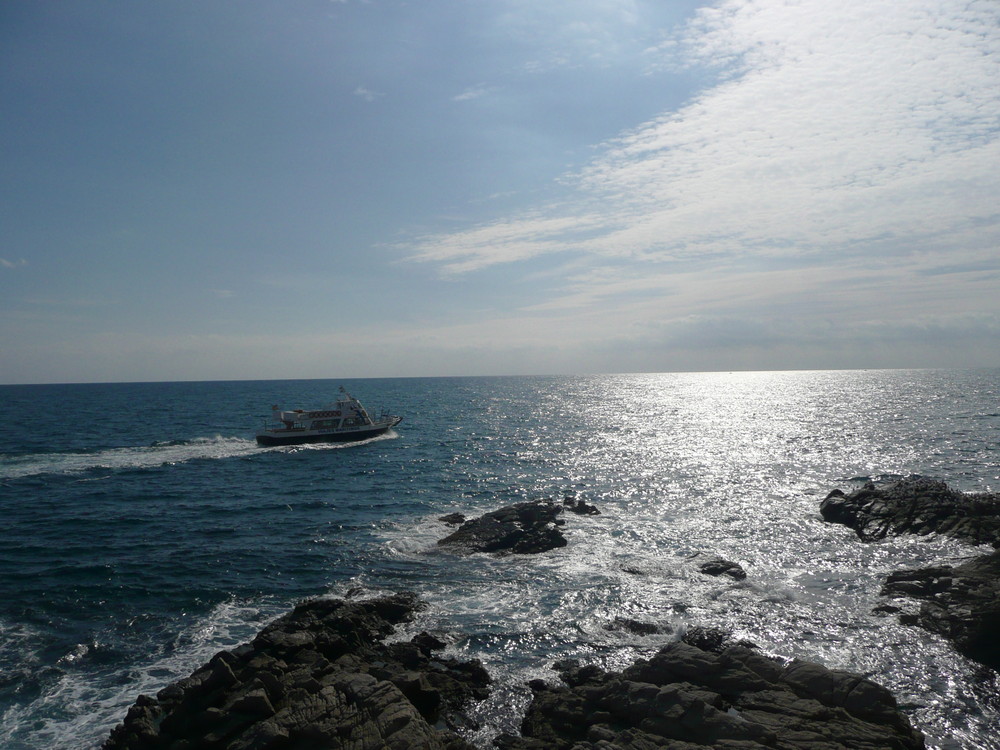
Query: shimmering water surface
point(143, 529)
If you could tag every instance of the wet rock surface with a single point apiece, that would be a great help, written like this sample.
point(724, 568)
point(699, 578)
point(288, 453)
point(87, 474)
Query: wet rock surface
point(961, 603)
point(716, 566)
point(709, 692)
point(916, 505)
point(524, 528)
point(320, 676)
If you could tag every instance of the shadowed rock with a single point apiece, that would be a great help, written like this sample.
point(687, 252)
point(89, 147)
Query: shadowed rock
point(916, 505)
point(716, 694)
point(719, 567)
point(962, 603)
point(320, 676)
point(522, 528)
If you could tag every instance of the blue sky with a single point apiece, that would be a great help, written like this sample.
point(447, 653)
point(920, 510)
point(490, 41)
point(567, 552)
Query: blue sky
point(302, 189)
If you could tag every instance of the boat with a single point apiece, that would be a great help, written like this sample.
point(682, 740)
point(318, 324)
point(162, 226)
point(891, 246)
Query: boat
point(343, 421)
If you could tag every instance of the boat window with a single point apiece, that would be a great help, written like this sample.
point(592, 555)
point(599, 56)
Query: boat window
point(325, 424)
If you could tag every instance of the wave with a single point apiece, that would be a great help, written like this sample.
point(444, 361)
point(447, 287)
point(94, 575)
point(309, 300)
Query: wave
point(140, 457)
point(80, 706)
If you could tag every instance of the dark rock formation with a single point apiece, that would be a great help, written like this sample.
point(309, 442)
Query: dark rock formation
point(523, 528)
point(962, 603)
point(636, 627)
point(916, 506)
point(453, 519)
point(715, 694)
point(320, 676)
point(719, 567)
point(575, 505)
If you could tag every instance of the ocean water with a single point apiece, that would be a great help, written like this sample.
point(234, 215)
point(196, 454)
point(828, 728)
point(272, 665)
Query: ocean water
point(142, 529)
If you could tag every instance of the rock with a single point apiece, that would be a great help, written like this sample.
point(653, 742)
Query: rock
point(916, 505)
point(719, 567)
point(319, 676)
point(636, 627)
point(689, 698)
point(522, 528)
point(575, 505)
point(453, 519)
point(961, 603)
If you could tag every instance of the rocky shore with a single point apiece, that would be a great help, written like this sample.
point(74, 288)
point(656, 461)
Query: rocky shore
point(962, 602)
point(707, 692)
point(321, 676)
point(324, 676)
point(331, 674)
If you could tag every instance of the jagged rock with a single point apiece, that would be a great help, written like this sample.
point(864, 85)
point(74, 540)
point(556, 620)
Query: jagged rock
point(916, 505)
point(725, 695)
point(453, 519)
point(522, 528)
point(320, 676)
point(962, 603)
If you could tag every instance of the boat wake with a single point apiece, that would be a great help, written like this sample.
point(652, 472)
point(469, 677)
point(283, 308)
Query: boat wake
point(116, 459)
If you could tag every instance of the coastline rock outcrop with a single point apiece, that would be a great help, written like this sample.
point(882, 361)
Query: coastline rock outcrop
point(321, 676)
point(916, 505)
point(526, 528)
point(716, 566)
point(961, 603)
point(708, 692)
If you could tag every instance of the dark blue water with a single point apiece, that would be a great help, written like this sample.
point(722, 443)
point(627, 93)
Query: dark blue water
point(143, 529)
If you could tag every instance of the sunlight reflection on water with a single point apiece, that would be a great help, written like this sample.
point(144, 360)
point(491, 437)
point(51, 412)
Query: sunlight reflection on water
point(728, 464)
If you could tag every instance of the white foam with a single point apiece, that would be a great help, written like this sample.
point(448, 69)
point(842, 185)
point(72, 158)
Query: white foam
point(81, 708)
point(142, 457)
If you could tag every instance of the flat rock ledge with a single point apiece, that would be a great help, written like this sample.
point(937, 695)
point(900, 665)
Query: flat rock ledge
point(961, 603)
point(708, 692)
point(321, 676)
point(916, 505)
point(526, 528)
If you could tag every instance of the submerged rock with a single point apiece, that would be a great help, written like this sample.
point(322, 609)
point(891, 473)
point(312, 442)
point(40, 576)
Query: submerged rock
point(320, 676)
point(716, 566)
point(916, 505)
point(962, 603)
point(712, 693)
point(522, 528)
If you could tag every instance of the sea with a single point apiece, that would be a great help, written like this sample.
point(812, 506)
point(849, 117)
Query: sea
point(142, 529)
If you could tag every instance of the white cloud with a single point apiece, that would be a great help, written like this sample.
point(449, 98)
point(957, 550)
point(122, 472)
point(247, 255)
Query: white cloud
point(367, 94)
point(474, 92)
point(851, 129)
point(19, 263)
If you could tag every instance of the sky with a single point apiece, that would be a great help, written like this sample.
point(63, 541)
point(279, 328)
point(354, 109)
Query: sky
point(251, 189)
